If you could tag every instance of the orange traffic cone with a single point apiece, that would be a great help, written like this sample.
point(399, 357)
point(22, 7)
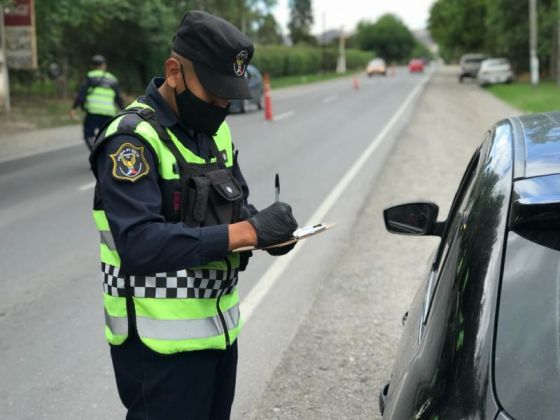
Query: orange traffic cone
point(267, 98)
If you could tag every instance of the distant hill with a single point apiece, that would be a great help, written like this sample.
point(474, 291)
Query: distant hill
point(330, 35)
point(423, 36)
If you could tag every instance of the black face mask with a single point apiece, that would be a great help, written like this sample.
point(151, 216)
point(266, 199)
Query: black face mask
point(196, 114)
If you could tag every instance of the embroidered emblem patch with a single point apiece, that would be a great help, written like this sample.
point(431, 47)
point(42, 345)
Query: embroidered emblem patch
point(129, 163)
point(240, 62)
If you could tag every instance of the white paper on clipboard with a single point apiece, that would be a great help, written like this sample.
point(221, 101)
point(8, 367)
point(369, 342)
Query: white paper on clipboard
point(298, 235)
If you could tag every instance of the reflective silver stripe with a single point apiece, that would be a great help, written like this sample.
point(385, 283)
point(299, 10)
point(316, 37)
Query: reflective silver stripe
point(117, 325)
point(232, 317)
point(107, 238)
point(186, 329)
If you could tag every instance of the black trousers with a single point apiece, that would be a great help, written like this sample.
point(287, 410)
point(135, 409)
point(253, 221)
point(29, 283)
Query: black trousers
point(92, 124)
point(195, 385)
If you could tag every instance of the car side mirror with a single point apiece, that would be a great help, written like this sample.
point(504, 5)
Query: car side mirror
point(419, 219)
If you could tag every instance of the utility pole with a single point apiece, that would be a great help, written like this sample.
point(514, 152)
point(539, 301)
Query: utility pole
point(323, 40)
point(533, 40)
point(4, 81)
point(341, 62)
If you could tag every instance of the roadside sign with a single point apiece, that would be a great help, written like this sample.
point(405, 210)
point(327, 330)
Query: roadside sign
point(21, 43)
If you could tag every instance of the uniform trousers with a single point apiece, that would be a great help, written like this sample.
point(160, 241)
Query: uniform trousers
point(92, 124)
point(194, 385)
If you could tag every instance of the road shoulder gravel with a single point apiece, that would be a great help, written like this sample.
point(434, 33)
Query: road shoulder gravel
point(343, 351)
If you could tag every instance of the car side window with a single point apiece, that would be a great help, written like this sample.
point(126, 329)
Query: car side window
point(454, 220)
point(457, 209)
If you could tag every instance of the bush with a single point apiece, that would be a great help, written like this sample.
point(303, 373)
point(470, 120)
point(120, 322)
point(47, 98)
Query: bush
point(280, 61)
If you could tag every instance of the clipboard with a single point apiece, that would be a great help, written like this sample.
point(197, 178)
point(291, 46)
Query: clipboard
point(298, 235)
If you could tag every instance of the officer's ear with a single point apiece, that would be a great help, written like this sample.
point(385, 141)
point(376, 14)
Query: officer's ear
point(173, 73)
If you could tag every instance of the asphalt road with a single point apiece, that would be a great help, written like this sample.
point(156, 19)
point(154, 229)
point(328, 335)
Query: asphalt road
point(54, 360)
point(344, 349)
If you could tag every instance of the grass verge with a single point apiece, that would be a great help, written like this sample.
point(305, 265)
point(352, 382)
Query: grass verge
point(542, 98)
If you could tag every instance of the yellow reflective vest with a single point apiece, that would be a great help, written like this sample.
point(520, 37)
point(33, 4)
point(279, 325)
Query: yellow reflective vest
point(100, 97)
point(195, 308)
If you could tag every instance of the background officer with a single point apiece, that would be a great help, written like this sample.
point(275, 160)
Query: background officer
point(97, 97)
point(171, 206)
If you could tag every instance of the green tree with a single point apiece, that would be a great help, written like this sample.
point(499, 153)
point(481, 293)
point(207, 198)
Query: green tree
point(268, 32)
point(508, 31)
point(301, 19)
point(134, 36)
point(459, 26)
point(388, 37)
point(497, 27)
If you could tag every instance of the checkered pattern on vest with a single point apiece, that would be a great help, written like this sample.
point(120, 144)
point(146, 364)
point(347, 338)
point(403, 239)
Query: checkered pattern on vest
point(201, 283)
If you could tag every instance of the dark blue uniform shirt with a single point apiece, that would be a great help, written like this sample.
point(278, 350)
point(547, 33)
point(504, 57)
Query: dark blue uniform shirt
point(145, 242)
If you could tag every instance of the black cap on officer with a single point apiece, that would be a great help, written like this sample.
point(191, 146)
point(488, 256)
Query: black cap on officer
point(219, 52)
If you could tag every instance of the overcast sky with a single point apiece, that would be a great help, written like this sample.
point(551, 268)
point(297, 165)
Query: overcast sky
point(349, 12)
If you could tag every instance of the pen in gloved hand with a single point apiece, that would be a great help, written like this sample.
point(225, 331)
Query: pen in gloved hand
point(277, 187)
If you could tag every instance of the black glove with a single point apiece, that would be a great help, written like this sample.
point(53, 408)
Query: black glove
point(274, 224)
point(281, 250)
point(244, 257)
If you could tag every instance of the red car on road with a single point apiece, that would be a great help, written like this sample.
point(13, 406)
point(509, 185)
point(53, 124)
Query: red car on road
point(416, 65)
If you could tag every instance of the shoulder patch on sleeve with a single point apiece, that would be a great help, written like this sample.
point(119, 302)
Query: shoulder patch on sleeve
point(129, 163)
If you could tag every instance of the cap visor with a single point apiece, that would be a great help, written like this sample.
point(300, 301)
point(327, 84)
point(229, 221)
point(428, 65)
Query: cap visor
point(221, 85)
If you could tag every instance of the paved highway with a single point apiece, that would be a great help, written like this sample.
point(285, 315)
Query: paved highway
point(328, 142)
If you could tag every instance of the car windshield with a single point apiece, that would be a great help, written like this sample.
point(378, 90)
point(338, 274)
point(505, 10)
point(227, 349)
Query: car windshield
point(376, 62)
point(527, 358)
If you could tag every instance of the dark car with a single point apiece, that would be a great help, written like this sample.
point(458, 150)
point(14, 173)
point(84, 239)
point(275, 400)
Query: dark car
point(482, 336)
point(255, 80)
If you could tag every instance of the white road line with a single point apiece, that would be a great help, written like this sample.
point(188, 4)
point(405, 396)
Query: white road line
point(267, 281)
point(86, 187)
point(330, 99)
point(284, 115)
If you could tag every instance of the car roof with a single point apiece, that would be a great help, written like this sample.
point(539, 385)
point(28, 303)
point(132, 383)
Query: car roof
point(536, 145)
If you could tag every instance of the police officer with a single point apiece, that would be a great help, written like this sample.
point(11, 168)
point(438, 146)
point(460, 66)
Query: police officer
point(97, 97)
point(171, 207)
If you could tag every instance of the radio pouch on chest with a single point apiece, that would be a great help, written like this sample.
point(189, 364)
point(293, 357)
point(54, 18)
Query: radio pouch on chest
point(212, 197)
point(209, 193)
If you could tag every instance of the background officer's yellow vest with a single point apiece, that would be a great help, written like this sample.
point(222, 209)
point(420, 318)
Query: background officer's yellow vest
point(192, 309)
point(100, 98)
